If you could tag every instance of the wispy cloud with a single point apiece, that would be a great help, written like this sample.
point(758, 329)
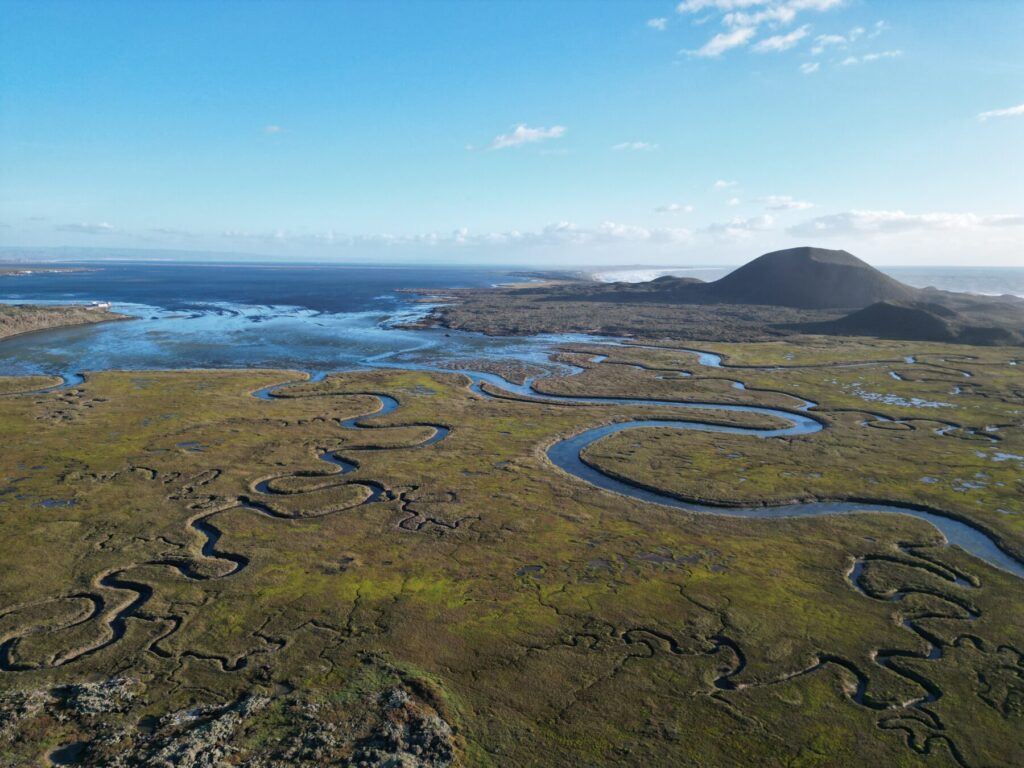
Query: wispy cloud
point(779, 43)
point(881, 55)
point(271, 130)
point(523, 134)
point(740, 229)
point(746, 17)
point(821, 42)
point(730, 6)
point(815, 5)
point(869, 57)
point(733, 201)
point(893, 222)
point(660, 23)
point(99, 228)
point(810, 67)
point(559, 234)
point(674, 208)
point(785, 203)
point(1008, 112)
point(724, 41)
point(776, 15)
point(635, 146)
point(723, 184)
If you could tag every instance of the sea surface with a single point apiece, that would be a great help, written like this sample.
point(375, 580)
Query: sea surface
point(323, 318)
point(309, 317)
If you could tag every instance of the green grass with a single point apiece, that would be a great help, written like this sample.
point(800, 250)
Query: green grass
point(605, 653)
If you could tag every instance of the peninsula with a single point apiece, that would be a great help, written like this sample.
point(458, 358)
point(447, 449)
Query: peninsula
point(16, 319)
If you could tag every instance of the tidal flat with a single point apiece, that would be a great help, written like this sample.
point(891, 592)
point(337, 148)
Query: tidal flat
point(388, 565)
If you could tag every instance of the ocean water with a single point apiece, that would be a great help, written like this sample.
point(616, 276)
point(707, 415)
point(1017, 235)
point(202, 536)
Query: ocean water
point(237, 316)
point(321, 288)
point(316, 317)
point(988, 281)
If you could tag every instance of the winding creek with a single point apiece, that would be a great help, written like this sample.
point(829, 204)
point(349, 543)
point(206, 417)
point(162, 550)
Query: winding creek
point(566, 453)
point(133, 594)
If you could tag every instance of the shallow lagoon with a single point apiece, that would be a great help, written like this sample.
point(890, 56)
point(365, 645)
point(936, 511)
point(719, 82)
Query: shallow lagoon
point(187, 316)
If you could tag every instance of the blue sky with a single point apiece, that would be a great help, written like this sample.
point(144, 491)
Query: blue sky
point(573, 133)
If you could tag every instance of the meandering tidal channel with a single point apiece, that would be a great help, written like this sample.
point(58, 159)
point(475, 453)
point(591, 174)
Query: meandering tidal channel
point(566, 453)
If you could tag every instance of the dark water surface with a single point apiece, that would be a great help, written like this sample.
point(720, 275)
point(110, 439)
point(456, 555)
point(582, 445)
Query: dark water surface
point(322, 288)
point(238, 316)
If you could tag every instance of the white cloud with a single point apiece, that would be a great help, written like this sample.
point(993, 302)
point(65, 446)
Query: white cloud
point(734, 201)
point(635, 146)
point(881, 55)
point(741, 228)
point(659, 24)
point(723, 184)
point(606, 233)
point(523, 134)
point(893, 222)
point(560, 234)
point(869, 57)
point(693, 6)
point(752, 13)
point(1008, 112)
point(724, 41)
point(674, 208)
point(100, 228)
point(272, 129)
point(821, 42)
point(782, 14)
point(879, 28)
point(814, 5)
point(785, 203)
point(745, 17)
point(779, 43)
point(810, 67)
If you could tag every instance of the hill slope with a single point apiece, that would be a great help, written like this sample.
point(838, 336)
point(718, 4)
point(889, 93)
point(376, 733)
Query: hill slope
point(924, 321)
point(799, 290)
point(807, 278)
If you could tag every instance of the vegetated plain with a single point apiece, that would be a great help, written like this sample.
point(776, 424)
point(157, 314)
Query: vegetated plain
point(26, 318)
point(184, 577)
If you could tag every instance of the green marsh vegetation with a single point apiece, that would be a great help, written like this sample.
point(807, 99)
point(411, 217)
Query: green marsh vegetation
point(182, 574)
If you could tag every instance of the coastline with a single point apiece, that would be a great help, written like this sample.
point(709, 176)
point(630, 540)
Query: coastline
point(101, 316)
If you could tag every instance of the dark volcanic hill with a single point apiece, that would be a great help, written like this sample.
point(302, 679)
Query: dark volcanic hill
point(984, 321)
point(889, 320)
point(807, 278)
point(799, 290)
point(800, 278)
